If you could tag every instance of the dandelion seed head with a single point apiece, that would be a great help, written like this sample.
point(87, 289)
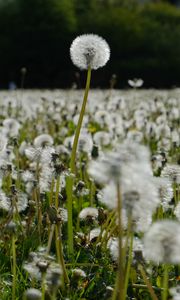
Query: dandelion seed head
point(21, 202)
point(22, 147)
point(85, 143)
point(88, 213)
point(165, 191)
point(53, 276)
point(11, 127)
point(27, 176)
point(162, 242)
point(106, 167)
point(33, 154)
point(63, 214)
point(113, 247)
point(89, 50)
point(177, 211)
point(33, 294)
point(78, 273)
point(135, 83)
point(4, 201)
point(94, 233)
point(102, 138)
point(43, 140)
point(175, 292)
point(3, 142)
point(172, 172)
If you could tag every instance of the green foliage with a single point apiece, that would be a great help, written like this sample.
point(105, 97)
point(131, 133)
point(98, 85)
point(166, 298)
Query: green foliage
point(144, 39)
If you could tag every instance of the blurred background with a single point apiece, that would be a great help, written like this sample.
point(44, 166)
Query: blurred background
point(35, 36)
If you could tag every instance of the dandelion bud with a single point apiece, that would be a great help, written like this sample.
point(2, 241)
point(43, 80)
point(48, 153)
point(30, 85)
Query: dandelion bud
point(89, 50)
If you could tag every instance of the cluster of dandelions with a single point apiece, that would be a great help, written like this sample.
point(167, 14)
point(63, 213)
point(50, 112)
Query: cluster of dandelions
point(128, 148)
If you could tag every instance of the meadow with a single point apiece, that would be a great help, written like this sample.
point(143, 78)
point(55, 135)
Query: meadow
point(116, 235)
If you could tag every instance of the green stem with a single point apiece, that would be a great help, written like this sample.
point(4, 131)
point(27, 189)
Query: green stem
point(119, 286)
point(108, 227)
point(14, 267)
point(142, 286)
point(78, 128)
point(51, 192)
point(57, 192)
point(18, 182)
point(128, 267)
point(165, 283)
point(147, 282)
point(62, 263)
point(92, 192)
point(43, 287)
point(50, 238)
point(54, 292)
point(38, 212)
point(69, 188)
point(69, 181)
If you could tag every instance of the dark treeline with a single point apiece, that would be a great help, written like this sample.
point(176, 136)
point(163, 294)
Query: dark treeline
point(36, 34)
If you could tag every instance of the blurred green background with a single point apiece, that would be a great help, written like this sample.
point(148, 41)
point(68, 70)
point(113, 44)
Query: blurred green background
point(144, 37)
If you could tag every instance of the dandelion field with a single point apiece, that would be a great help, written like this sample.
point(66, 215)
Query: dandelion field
point(116, 234)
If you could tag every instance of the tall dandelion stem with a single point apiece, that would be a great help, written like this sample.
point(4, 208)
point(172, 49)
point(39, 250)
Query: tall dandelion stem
point(43, 286)
point(165, 282)
point(129, 260)
point(147, 282)
point(79, 125)
point(119, 286)
point(14, 267)
point(70, 181)
point(69, 192)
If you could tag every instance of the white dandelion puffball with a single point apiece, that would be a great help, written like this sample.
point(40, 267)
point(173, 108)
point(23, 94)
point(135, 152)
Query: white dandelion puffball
point(162, 242)
point(89, 50)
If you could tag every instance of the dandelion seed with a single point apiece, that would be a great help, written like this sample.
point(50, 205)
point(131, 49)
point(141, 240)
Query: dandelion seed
point(89, 50)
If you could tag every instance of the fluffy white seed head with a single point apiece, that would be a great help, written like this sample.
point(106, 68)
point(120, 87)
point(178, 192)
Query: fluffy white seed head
point(89, 50)
point(162, 242)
